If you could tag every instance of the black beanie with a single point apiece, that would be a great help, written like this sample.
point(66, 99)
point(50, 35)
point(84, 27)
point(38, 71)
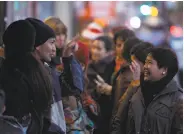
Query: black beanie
point(141, 50)
point(19, 38)
point(43, 31)
point(107, 41)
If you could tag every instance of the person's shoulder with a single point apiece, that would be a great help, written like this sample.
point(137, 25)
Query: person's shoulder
point(10, 124)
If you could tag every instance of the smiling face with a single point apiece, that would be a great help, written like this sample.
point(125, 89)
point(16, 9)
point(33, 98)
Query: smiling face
point(97, 50)
point(151, 70)
point(47, 50)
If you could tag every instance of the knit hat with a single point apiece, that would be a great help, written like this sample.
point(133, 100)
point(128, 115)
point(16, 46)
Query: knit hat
point(82, 54)
point(107, 41)
point(19, 38)
point(93, 30)
point(43, 31)
point(141, 50)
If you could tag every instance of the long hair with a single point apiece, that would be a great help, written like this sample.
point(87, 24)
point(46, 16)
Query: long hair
point(24, 79)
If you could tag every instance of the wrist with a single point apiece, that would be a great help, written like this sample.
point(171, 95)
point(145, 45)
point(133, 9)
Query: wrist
point(135, 83)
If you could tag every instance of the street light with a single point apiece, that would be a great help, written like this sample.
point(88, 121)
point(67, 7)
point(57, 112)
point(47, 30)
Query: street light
point(154, 11)
point(135, 22)
point(145, 10)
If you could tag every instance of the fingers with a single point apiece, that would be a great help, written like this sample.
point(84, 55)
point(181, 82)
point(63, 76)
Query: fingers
point(131, 68)
point(73, 41)
point(100, 79)
point(97, 82)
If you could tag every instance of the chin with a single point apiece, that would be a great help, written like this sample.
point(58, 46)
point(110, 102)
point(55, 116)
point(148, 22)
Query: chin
point(146, 78)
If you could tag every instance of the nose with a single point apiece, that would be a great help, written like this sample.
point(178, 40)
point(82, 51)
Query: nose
point(54, 49)
point(145, 66)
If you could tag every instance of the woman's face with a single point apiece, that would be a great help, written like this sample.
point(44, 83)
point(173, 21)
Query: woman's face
point(119, 47)
point(151, 70)
point(98, 50)
point(60, 41)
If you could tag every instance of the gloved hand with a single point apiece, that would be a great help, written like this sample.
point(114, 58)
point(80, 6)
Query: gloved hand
point(102, 86)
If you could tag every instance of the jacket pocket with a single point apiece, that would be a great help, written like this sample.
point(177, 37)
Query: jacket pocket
point(164, 111)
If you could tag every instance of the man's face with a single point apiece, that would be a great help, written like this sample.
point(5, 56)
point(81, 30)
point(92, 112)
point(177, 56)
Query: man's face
point(151, 70)
point(47, 50)
point(60, 41)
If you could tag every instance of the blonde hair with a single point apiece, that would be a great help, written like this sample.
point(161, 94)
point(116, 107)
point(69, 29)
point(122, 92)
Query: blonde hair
point(56, 24)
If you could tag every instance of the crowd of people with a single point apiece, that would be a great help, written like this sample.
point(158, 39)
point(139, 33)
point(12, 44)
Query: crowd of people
point(96, 83)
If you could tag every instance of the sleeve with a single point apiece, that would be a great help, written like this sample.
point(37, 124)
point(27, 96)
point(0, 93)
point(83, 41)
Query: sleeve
point(120, 116)
point(72, 79)
point(122, 84)
point(177, 124)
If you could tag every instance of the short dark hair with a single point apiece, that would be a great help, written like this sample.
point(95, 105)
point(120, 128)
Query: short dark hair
point(123, 34)
point(128, 46)
point(141, 50)
point(165, 57)
point(107, 41)
point(2, 100)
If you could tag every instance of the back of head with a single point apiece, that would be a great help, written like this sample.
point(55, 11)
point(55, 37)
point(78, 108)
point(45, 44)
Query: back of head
point(108, 42)
point(116, 29)
point(166, 58)
point(19, 38)
point(141, 50)
point(43, 31)
point(56, 24)
point(123, 34)
point(131, 42)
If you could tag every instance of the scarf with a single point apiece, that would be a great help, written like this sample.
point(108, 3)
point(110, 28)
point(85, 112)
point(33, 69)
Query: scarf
point(151, 88)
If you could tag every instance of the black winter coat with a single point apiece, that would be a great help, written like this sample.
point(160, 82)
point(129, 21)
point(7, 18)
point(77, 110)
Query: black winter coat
point(9, 125)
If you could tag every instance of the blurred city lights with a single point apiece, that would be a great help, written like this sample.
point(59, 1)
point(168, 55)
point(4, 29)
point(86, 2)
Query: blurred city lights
point(145, 10)
point(135, 22)
point(176, 31)
point(154, 11)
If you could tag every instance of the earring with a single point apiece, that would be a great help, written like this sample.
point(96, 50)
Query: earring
point(163, 73)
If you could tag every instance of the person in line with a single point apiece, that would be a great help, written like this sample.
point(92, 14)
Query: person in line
point(60, 31)
point(24, 79)
point(124, 76)
point(65, 83)
point(138, 56)
point(155, 107)
point(101, 64)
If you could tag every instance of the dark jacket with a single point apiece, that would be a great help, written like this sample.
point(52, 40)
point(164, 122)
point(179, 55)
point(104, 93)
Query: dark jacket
point(160, 117)
point(118, 123)
point(9, 125)
point(120, 84)
point(105, 69)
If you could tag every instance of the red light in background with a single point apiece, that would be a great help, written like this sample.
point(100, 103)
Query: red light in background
point(176, 31)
